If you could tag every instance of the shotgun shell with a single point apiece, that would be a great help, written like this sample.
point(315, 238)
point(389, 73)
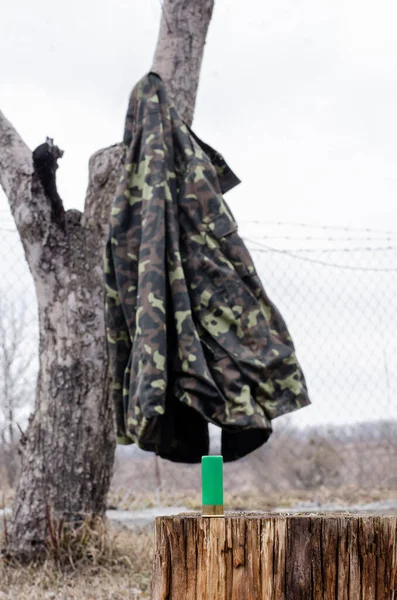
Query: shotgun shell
point(212, 486)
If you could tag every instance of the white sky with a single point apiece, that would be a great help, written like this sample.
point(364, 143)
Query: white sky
point(300, 96)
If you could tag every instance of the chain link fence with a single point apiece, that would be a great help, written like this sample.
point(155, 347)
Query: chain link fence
point(337, 290)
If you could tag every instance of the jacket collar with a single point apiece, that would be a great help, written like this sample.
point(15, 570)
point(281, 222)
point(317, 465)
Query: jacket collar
point(152, 86)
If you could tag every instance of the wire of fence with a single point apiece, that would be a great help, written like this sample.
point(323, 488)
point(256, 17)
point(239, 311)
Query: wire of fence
point(337, 289)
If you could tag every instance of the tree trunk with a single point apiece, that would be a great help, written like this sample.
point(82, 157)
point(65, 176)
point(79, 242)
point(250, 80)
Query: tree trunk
point(68, 449)
point(271, 557)
point(72, 423)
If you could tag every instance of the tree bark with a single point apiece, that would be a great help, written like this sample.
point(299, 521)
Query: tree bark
point(180, 47)
point(271, 557)
point(68, 452)
point(72, 423)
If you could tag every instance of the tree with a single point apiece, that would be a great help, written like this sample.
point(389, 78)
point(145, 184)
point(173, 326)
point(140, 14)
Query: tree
point(16, 380)
point(69, 450)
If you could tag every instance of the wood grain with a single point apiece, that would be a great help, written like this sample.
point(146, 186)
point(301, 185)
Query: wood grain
point(249, 556)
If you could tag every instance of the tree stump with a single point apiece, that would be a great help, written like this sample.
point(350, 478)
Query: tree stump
point(249, 556)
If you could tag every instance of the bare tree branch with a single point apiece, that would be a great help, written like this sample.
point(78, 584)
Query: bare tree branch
point(15, 159)
point(104, 175)
point(180, 48)
point(29, 205)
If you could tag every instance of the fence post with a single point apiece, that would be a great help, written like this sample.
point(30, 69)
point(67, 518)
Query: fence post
point(275, 557)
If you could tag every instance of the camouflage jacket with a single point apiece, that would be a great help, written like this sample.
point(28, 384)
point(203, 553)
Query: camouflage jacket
point(192, 336)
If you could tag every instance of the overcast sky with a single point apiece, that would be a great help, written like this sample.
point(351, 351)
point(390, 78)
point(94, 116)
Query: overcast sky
point(300, 96)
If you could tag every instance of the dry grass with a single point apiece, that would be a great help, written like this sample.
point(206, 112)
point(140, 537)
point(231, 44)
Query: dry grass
point(125, 499)
point(96, 564)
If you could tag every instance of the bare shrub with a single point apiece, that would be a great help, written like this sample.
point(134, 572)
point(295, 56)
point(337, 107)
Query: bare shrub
point(17, 381)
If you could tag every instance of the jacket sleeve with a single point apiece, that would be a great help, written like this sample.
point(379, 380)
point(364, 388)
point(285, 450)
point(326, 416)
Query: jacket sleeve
point(118, 342)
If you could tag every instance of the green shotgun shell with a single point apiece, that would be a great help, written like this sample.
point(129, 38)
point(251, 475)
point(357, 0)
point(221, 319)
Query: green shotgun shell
point(212, 485)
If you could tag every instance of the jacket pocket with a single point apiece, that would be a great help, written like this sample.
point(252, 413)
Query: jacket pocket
point(224, 229)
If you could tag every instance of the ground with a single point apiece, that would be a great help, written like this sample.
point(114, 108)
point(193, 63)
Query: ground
point(117, 562)
point(123, 570)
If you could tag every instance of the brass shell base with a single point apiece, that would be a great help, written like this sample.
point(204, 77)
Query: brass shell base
point(213, 510)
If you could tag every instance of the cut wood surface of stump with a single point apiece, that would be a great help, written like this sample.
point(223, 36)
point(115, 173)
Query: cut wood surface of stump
point(249, 556)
